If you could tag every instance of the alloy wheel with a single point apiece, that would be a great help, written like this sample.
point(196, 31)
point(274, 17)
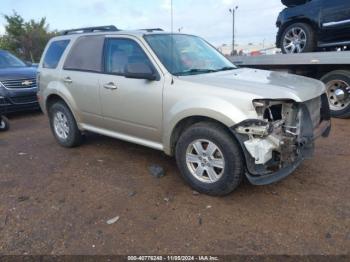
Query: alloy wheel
point(61, 125)
point(295, 40)
point(205, 161)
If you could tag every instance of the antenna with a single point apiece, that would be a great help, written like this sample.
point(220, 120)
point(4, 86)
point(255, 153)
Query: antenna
point(172, 16)
point(172, 40)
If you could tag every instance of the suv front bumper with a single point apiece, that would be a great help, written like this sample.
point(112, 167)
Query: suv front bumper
point(268, 174)
point(18, 100)
point(306, 151)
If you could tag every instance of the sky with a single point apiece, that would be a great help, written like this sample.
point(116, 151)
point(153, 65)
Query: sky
point(211, 19)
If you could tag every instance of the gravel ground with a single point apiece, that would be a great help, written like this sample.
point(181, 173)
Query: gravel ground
point(58, 201)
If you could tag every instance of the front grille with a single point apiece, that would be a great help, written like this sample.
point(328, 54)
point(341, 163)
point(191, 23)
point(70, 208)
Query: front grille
point(314, 107)
point(24, 99)
point(20, 83)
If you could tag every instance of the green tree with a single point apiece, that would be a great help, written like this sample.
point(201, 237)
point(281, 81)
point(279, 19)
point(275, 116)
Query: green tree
point(25, 39)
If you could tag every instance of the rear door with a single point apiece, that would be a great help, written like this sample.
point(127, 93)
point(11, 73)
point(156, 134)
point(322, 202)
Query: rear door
point(131, 107)
point(335, 20)
point(80, 75)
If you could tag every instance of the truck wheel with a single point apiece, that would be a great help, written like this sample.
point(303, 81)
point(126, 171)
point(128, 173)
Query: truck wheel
point(4, 123)
point(338, 91)
point(298, 38)
point(209, 159)
point(64, 126)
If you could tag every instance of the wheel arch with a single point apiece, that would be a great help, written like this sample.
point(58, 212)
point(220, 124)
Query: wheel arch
point(185, 123)
point(53, 98)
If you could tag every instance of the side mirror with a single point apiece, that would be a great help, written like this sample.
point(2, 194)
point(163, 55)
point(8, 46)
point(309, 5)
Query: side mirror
point(28, 63)
point(140, 71)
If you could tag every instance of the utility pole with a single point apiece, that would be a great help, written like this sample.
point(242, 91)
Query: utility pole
point(233, 12)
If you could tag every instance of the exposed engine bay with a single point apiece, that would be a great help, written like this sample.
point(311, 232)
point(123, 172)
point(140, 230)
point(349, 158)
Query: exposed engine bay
point(283, 134)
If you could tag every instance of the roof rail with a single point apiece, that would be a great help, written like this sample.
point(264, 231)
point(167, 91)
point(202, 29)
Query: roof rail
point(151, 29)
point(106, 28)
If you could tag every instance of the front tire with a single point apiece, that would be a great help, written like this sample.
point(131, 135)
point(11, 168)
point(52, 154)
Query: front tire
point(4, 124)
point(64, 126)
point(209, 159)
point(338, 91)
point(298, 38)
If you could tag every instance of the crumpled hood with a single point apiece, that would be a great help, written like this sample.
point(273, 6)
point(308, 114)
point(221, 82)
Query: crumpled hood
point(262, 84)
point(17, 73)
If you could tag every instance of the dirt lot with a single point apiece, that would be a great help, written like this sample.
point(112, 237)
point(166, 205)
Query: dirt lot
point(57, 201)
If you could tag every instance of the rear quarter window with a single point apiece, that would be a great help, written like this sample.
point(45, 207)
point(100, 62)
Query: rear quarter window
point(86, 54)
point(54, 53)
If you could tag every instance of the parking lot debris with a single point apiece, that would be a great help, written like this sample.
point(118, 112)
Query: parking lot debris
point(157, 171)
point(23, 198)
point(200, 220)
point(132, 194)
point(113, 220)
point(22, 154)
point(167, 199)
point(209, 207)
point(5, 221)
point(195, 193)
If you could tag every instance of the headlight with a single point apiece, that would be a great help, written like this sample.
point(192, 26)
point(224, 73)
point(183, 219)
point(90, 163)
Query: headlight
point(270, 109)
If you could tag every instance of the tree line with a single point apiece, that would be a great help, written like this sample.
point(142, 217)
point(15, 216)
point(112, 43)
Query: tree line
point(25, 39)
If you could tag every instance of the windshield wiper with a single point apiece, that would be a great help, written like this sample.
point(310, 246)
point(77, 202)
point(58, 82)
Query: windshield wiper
point(226, 68)
point(195, 71)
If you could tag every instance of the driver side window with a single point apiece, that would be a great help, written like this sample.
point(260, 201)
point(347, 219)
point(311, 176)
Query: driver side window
point(121, 52)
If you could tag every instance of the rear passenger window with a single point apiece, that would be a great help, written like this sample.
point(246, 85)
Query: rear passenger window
point(54, 53)
point(86, 54)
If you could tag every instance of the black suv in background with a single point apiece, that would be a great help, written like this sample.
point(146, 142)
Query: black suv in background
point(17, 83)
point(309, 25)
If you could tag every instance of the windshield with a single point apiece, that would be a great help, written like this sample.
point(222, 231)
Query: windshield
point(191, 54)
point(8, 60)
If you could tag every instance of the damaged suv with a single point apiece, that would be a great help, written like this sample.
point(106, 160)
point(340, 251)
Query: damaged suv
point(178, 94)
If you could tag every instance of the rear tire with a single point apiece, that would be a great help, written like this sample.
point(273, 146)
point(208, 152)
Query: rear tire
point(303, 32)
point(220, 165)
point(4, 124)
point(338, 91)
point(64, 126)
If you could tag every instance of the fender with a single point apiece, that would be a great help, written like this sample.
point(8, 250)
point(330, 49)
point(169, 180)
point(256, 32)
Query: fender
point(58, 89)
point(220, 110)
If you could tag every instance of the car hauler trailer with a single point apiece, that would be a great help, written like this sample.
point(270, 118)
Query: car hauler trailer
point(333, 68)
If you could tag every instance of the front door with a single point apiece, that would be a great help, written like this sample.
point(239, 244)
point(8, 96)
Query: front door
point(130, 107)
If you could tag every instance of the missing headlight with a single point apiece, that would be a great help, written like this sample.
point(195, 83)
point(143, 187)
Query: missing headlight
point(274, 133)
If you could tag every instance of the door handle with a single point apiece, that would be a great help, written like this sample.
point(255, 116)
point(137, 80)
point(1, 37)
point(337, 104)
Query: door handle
point(110, 86)
point(68, 80)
